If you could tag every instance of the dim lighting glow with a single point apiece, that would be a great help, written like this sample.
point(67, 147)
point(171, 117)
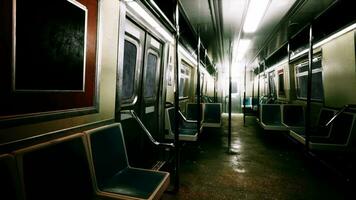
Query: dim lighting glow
point(256, 10)
point(242, 48)
point(150, 20)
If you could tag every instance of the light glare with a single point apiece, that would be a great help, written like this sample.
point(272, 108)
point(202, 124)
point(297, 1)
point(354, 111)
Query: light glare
point(242, 47)
point(152, 22)
point(255, 12)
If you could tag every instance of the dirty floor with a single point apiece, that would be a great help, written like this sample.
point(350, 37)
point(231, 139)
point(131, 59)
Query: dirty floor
point(264, 165)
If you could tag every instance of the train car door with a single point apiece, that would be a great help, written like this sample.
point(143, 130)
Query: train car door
point(150, 86)
point(139, 92)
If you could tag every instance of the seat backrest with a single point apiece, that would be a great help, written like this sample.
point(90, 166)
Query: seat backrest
point(212, 112)
point(254, 101)
point(171, 116)
point(56, 170)
point(324, 116)
point(293, 115)
point(271, 114)
point(248, 101)
point(341, 128)
point(108, 151)
point(192, 111)
point(9, 180)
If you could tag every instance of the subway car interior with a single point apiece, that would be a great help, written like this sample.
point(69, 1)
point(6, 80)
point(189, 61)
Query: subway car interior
point(177, 99)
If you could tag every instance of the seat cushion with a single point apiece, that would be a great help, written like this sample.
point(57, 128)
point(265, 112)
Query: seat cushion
point(187, 131)
point(134, 182)
point(188, 126)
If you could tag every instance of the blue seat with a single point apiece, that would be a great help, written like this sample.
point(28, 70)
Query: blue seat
point(320, 130)
point(293, 116)
point(187, 128)
point(56, 170)
point(212, 115)
point(114, 176)
point(271, 117)
point(9, 179)
point(192, 111)
point(338, 137)
point(248, 102)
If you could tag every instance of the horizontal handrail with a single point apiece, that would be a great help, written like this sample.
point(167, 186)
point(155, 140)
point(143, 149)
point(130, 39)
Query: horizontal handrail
point(155, 142)
point(339, 113)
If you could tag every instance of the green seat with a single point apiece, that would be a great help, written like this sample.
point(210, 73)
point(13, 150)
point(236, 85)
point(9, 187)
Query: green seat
point(337, 137)
point(113, 173)
point(212, 115)
point(9, 180)
point(187, 129)
point(192, 111)
point(271, 117)
point(56, 170)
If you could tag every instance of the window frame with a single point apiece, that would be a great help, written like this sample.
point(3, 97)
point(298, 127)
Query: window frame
point(133, 99)
point(281, 90)
point(297, 74)
point(154, 97)
point(187, 78)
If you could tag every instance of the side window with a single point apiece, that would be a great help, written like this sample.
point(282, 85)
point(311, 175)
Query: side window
point(266, 88)
point(150, 75)
point(301, 74)
point(281, 83)
point(271, 84)
point(130, 58)
point(184, 80)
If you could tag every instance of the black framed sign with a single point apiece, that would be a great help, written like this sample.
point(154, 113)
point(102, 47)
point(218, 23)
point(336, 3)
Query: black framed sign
point(47, 57)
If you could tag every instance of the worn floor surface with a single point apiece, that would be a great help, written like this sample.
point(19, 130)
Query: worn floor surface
point(265, 166)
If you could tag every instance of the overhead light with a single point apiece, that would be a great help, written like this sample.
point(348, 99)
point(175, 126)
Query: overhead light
point(256, 10)
point(242, 47)
point(150, 20)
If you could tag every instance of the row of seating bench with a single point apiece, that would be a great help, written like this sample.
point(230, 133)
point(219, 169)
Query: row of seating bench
point(89, 165)
point(188, 131)
point(281, 117)
point(250, 104)
point(338, 136)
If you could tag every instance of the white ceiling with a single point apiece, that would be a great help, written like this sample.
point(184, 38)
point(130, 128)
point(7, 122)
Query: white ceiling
point(221, 23)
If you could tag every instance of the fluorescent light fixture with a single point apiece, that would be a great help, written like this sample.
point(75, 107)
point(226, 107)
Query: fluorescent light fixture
point(256, 10)
point(150, 20)
point(242, 47)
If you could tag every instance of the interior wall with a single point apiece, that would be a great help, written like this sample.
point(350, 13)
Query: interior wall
point(339, 72)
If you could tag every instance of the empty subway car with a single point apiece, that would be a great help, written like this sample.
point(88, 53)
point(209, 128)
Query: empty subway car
point(178, 99)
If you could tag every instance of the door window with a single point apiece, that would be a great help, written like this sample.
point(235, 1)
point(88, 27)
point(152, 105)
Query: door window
point(150, 75)
point(128, 82)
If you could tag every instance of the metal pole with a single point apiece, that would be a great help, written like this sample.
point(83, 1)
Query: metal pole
point(309, 89)
point(258, 93)
point(244, 103)
point(229, 127)
point(176, 101)
point(215, 80)
point(198, 84)
point(253, 87)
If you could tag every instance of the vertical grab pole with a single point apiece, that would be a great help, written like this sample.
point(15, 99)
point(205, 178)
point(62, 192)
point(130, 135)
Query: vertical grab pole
point(253, 87)
point(176, 100)
point(229, 127)
point(198, 84)
point(258, 93)
point(244, 103)
point(215, 74)
point(309, 88)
